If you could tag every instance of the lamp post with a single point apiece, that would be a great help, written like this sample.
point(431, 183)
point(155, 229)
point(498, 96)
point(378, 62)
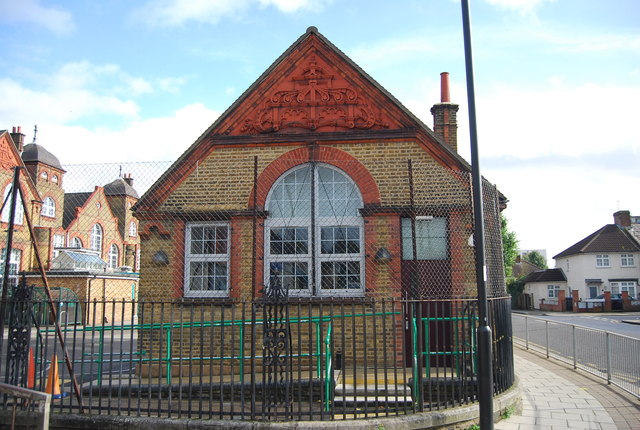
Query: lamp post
point(485, 374)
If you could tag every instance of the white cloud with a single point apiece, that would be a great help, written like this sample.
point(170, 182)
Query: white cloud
point(524, 7)
point(171, 13)
point(78, 90)
point(30, 11)
point(154, 139)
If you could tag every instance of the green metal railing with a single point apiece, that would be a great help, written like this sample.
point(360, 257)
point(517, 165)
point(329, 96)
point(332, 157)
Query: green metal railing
point(101, 357)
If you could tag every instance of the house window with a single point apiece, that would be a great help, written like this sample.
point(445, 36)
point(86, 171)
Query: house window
point(430, 235)
point(48, 207)
point(314, 233)
point(133, 229)
point(14, 266)
point(58, 242)
point(626, 260)
point(553, 290)
point(44, 176)
point(207, 260)
point(602, 260)
point(113, 256)
point(96, 238)
point(76, 242)
point(19, 212)
point(54, 179)
point(628, 286)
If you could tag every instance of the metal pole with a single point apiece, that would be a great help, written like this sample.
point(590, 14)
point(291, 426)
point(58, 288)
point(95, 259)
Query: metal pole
point(7, 257)
point(485, 377)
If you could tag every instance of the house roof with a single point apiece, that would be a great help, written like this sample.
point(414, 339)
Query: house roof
point(7, 145)
point(231, 125)
point(71, 202)
point(120, 187)
point(36, 153)
point(610, 238)
point(548, 275)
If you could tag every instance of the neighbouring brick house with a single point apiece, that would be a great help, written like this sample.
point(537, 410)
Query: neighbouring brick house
point(316, 178)
point(100, 222)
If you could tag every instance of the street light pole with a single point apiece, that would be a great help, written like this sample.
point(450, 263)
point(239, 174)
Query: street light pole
point(485, 371)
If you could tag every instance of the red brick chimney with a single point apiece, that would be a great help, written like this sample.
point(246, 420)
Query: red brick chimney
point(445, 123)
point(622, 218)
point(18, 138)
point(128, 179)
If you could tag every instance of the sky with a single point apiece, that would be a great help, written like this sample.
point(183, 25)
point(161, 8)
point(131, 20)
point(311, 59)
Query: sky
point(557, 85)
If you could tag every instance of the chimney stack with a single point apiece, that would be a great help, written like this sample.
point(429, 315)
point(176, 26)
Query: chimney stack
point(622, 218)
point(18, 138)
point(445, 122)
point(128, 179)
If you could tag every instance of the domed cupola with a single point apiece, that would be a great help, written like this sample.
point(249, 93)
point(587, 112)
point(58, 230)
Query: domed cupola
point(34, 153)
point(121, 187)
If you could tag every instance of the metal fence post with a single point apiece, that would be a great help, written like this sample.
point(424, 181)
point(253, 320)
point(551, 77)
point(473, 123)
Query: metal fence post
point(546, 335)
point(573, 340)
point(608, 343)
point(526, 331)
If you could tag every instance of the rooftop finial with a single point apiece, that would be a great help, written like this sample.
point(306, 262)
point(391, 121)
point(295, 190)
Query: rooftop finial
point(35, 132)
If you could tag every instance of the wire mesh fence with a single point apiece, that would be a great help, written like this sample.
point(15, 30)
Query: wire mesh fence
point(161, 276)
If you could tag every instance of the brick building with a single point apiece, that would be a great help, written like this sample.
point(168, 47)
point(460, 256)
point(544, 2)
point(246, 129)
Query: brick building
point(100, 221)
point(319, 180)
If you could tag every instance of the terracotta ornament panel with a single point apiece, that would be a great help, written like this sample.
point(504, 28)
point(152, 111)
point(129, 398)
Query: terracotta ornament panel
point(315, 97)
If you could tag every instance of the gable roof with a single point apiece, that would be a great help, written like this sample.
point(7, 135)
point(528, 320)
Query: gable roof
point(610, 238)
point(548, 275)
point(71, 202)
point(311, 60)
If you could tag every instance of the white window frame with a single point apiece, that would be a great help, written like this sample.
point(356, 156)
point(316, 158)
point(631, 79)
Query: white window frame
point(76, 241)
point(602, 260)
point(321, 221)
point(58, 242)
point(427, 246)
point(205, 258)
point(627, 260)
point(133, 229)
point(19, 213)
point(619, 286)
point(553, 291)
point(48, 207)
point(114, 256)
point(14, 265)
point(97, 235)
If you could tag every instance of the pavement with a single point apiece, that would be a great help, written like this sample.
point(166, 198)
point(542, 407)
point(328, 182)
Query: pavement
point(557, 397)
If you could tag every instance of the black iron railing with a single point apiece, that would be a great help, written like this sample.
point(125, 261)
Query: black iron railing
point(341, 360)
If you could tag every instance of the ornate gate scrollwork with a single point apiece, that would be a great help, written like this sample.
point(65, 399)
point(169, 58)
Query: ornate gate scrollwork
point(276, 352)
point(19, 337)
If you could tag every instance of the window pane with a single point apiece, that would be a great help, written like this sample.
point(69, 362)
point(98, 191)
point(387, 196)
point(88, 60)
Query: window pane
point(339, 240)
point(208, 276)
point(209, 240)
point(431, 239)
point(292, 196)
point(292, 275)
point(340, 275)
point(288, 241)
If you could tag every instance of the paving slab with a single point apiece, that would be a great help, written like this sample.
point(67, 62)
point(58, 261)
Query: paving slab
point(557, 397)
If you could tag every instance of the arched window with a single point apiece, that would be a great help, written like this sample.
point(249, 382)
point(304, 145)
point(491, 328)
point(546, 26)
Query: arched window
point(114, 253)
point(54, 179)
point(48, 207)
point(96, 238)
point(133, 229)
point(314, 233)
point(44, 176)
point(19, 214)
point(76, 242)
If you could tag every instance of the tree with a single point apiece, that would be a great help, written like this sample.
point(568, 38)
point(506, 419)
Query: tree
point(509, 245)
point(534, 257)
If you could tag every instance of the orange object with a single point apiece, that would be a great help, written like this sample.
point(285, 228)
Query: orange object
point(31, 370)
point(53, 381)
